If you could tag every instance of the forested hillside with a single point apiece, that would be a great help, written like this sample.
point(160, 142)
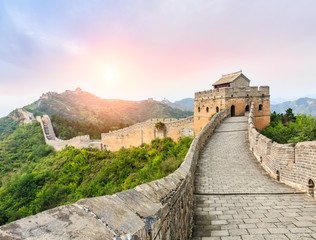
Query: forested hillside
point(77, 112)
point(34, 178)
point(85, 107)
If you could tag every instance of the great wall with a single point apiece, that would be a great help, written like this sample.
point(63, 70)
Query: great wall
point(132, 136)
point(58, 144)
point(223, 203)
point(292, 164)
point(145, 132)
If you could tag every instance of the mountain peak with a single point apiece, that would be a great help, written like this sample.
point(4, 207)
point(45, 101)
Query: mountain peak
point(302, 105)
point(78, 90)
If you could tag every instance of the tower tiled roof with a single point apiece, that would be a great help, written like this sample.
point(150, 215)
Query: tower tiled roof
point(228, 78)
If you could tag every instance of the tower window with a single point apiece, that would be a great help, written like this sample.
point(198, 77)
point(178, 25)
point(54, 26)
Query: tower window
point(260, 107)
point(207, 109)
point(217, 109)
point(199, 109)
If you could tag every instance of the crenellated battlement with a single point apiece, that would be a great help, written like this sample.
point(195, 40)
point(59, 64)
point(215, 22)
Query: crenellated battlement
point(233, 91)
point(236, 92)
point(145, 132)
point(292, 164)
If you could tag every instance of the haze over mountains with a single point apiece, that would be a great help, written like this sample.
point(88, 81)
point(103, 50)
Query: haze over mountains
point(301, 105)
point(82, 106)
point(185, 104)
point(79, 105)
point(304, 105)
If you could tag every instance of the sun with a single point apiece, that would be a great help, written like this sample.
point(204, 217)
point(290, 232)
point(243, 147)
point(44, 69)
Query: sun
point(110, 76)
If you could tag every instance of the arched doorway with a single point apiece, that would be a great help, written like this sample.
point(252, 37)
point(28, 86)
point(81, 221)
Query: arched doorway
point(247, 108)
point(232, 110)
point(311, 187)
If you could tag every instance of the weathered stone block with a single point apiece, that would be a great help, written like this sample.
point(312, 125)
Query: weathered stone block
point(138, 203)
point(66, 222)
point(113, 213)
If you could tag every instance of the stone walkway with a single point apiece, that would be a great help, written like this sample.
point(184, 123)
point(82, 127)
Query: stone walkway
point(236, 199)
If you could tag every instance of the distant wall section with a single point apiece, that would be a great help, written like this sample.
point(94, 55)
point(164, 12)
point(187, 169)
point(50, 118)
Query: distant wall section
point(145, 132)
point(28, 116)
point(58, 144)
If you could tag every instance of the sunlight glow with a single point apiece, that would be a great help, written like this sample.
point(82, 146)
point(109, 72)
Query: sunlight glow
point(110, 76)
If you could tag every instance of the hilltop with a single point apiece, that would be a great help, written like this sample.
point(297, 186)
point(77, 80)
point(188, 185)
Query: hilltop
point(84, 106)
point(78, 112)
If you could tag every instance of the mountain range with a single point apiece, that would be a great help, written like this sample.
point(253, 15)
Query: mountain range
point(184, 104)
point(84, 106)
point(304, 105)
point(301, 105)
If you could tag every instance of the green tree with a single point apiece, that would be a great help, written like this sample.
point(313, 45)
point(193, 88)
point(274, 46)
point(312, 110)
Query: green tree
point(289, 128)
point(34, 178)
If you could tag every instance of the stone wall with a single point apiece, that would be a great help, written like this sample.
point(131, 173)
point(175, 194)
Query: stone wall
point(28, 116)
point(206, 103)
point(145, 132)
point(160, 210)
point(294, 165)
point(58, 144)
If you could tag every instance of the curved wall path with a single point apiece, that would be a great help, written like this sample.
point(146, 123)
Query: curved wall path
point(236, 199)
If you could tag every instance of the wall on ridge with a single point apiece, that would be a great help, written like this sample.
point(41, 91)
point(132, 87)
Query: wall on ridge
point(293, 164)
point(58, 144)
point(160, 210)
point(28, 116)
point(145, 132)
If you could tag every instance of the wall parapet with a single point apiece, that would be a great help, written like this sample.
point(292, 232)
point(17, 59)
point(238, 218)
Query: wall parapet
point(250, 91)
point(145, 132)
point(148, 123)
point(292, 164)
point(161, 209)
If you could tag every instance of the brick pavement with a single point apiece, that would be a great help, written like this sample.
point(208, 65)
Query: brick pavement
point(236, 199)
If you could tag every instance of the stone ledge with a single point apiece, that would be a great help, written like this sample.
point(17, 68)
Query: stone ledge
point(292, 164)
point(65, 222)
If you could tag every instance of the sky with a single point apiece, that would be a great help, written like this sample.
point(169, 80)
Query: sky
point(139, 49)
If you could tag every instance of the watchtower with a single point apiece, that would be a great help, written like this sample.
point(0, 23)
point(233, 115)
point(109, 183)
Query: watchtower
point(233, 91)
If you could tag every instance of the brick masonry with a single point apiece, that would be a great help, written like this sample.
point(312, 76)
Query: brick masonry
point(292, 164)
point(239, 96)
point(235, 198)
point(145, 132)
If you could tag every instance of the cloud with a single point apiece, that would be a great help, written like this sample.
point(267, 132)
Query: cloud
point(156, 46)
